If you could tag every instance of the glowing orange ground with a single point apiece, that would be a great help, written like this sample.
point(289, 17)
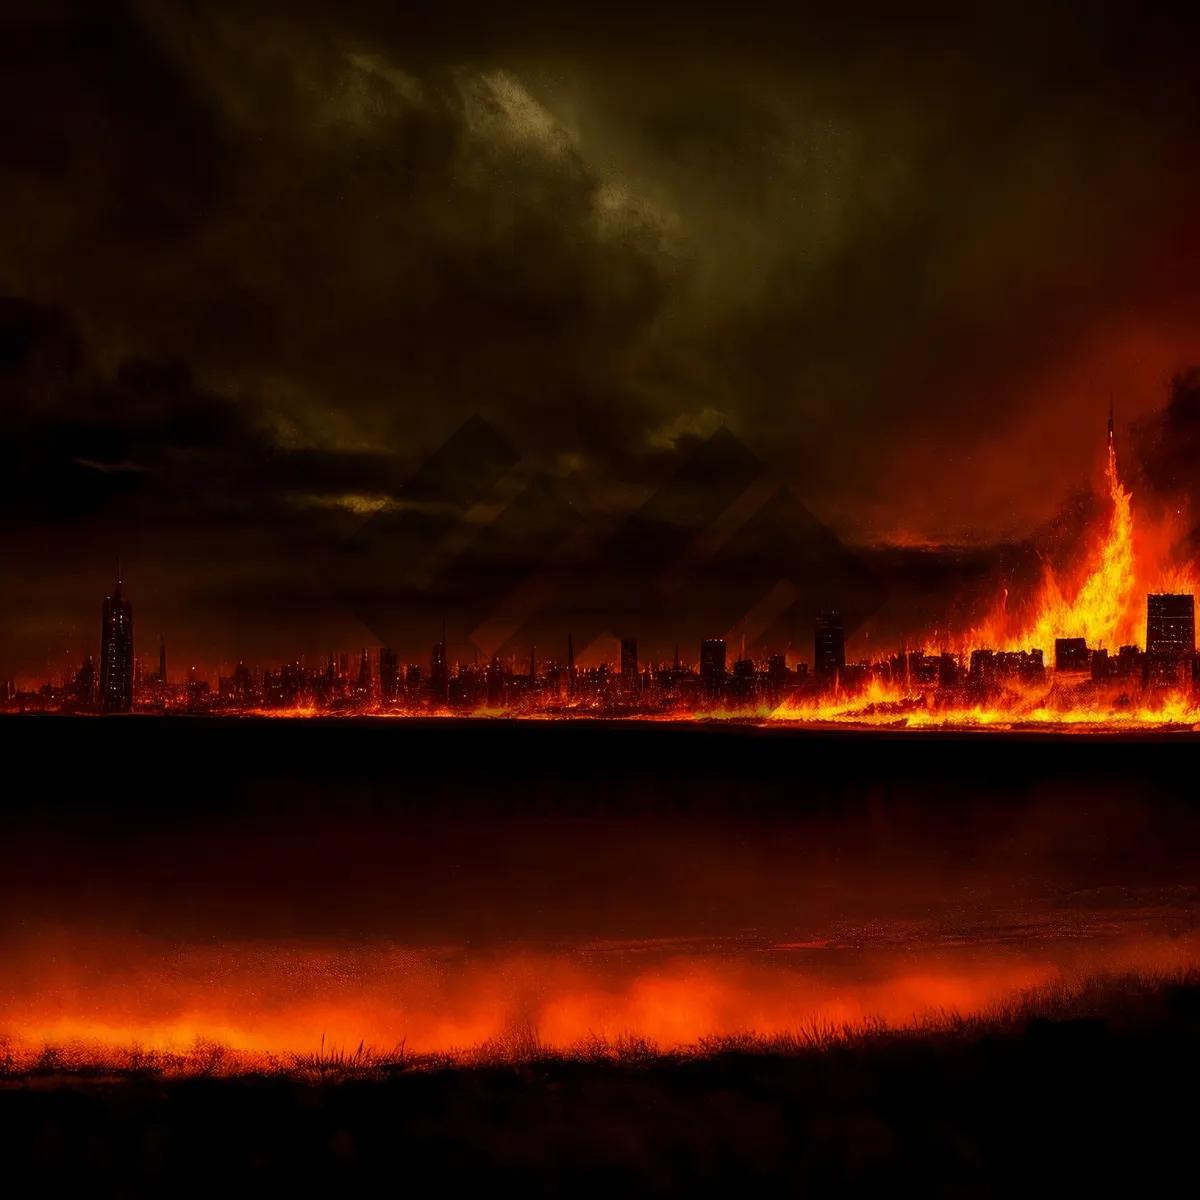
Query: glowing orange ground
point(97, 1000)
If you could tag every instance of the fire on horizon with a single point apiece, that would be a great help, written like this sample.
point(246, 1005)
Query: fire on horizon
point(996, 674)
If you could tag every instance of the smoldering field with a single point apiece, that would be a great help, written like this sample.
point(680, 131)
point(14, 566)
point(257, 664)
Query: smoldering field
point(281, 889)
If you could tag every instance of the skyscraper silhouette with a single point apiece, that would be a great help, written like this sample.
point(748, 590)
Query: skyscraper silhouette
point(712, 665)
point(116, 652)
point(439, 671)
point(829, 646)
point(1170, 636)
point(389, 674)
point(1170, 625)
point(629, 664)
point(83, 690)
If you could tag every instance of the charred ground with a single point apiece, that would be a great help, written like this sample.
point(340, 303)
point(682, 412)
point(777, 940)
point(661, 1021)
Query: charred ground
point(1085, 1096)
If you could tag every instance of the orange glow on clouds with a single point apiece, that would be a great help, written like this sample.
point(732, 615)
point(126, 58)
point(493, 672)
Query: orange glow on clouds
point(1105, 605)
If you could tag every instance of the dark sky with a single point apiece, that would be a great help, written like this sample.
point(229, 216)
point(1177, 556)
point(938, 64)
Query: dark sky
point(261, 260)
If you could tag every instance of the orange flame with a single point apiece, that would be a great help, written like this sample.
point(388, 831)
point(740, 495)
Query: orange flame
point(1101, 609)
point(1107, 606)
point(1106, 609)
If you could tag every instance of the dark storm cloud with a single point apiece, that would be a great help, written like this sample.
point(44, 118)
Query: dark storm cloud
point(357, 240)
point(1169, 442)
point(389, 212)
point(1168, 445)
point(300, 243)
point(145, 440)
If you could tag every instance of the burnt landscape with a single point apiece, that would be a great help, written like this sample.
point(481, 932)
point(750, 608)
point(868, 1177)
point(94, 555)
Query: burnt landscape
point(661, 957)
point(1074, 1101)
point(599, 598)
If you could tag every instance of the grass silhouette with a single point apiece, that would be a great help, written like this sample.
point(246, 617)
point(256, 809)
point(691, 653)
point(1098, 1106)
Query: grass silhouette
point(1078, 1089)
point(1121, 1001)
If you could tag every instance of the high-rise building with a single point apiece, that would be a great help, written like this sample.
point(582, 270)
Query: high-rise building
point(829, 646)
point(981, 674)
point(439, 673)
point(198, 690)
point(162, 660)
point(742, 688)
point(629, 665)
point(1129, 662)
point(1021, 664)
point(712, 665)
point(389, 675)
point(494, 681)
point(921, 668)
point(1170, 637)
point(243, 684)
point(777, 671)
point(1170, 625)
point(412, 681)
point(1071, 654)
point(84, 688)
point(116, 653)
point(948, 671)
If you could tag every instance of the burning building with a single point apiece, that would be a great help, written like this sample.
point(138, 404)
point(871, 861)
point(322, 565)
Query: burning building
point(829, 649)
point(1170, 625)
point(1071, 654)
point(1170, 637)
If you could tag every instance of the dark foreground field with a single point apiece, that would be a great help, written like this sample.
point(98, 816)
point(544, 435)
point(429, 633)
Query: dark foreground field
point(1091, 1095)
point(276, 881)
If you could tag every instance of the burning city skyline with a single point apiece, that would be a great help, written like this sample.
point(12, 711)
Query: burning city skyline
point(599, 598)
point(272, 261)
point(1138, 657)
point(1104, 603)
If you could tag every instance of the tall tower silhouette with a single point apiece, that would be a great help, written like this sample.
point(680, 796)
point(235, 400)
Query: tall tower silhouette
point(116, 651)
point(439, 673)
